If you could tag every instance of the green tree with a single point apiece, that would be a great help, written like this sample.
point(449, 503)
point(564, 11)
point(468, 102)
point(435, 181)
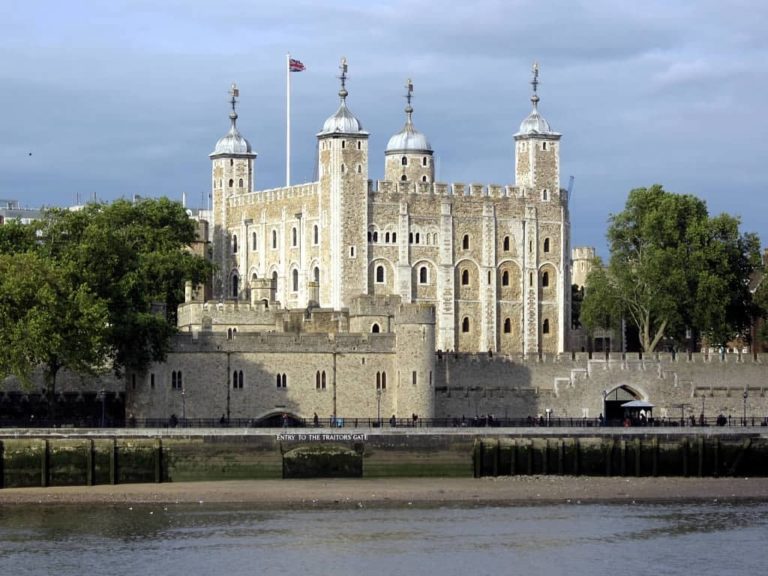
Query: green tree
point(601, 309)
point(673, 268)
point(17, 237)
point(47, 321)
point(134, 258)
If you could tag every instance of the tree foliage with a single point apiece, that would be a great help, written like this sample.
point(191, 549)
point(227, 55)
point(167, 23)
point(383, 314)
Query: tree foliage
point(130, 259)
point(674, 268)
point(47, 321)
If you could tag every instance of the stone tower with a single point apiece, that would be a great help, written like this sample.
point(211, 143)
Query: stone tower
point(408, 157)
point(537, 151)
point(415, 332)
point(546, 270)
point(232, 174)
point(343, 171)
point(583, 259)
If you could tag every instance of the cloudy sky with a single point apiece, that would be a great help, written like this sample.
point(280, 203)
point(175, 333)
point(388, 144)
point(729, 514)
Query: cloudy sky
point(129, 96)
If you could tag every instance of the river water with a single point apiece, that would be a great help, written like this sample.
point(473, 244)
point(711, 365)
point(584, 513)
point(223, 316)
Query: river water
point(573, 539)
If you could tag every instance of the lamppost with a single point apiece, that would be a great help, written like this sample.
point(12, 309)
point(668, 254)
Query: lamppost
point(103, 394)
point(378, 407)
point(745, 396)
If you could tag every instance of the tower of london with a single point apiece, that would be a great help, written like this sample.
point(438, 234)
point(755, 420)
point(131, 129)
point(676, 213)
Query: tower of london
point(342, 296)
point(492, 259)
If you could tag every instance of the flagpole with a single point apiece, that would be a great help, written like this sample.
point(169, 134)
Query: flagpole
point(288, 120)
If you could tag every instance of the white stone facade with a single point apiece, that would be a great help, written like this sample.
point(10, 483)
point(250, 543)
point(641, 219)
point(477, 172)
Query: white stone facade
point(493, 260)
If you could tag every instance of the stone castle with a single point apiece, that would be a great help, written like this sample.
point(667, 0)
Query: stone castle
point(493, 260)
point(347, 280)
point(351, 299)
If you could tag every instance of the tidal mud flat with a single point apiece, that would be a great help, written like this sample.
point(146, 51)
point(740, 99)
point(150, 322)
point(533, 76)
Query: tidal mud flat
point(499, 491)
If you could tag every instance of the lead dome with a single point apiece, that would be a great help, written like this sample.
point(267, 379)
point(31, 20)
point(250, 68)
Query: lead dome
point(232, 143)
point(408, 139)
point(343, 121)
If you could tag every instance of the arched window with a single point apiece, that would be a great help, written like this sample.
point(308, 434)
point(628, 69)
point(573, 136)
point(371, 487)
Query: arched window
point(404, 161)
point(380, 274)
point(505, 278)
point(423, 275)
point(229, 333)
point(235, 286)
point(322, 380)
point(254, 241)
point(507, 325)
point(274, 281)
point(359, 145)
point(546, 244)
point(403, 178)
point(383, 380)
point(410, 237)
point(231, 182)
point(234, 244)
point(343, 144)
point(465, 277)
point(465, 242)
point(317, 380)
point(378, 380)
point(294, 236)
point(394, 236)
point(274, 239)
point(359, 169)
point(424, 179)
point(281, 380)
point(545, 279)
point(375, 329)
point(343, 168)
point(316, 274)
point(465, 324)
point(316, 234)
point(295, 280)
point(241, 183)
point(375, 236)
point(418, 239)
point(545, 194)
point(386, 237)
point(545, 326)
point(424, 162)
point(506, 243)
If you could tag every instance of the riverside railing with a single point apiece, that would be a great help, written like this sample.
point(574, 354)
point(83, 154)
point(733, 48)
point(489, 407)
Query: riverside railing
point(389, 423)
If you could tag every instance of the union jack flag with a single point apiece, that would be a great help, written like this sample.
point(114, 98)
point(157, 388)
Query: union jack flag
point(295, 66)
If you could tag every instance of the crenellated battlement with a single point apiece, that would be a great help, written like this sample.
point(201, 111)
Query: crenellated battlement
point(415, 313)
point(308, 189)
point(285, 343)
point(455, 189)
point(583, 253)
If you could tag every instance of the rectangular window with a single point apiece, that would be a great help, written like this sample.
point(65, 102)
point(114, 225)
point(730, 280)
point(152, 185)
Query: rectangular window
point(351, 251)
point(414, 377)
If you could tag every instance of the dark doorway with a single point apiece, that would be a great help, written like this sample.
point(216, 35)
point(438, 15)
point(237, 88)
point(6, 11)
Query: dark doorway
point(613, 412)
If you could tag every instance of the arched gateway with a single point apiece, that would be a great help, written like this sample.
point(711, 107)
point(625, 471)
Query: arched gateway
point(613, 399)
